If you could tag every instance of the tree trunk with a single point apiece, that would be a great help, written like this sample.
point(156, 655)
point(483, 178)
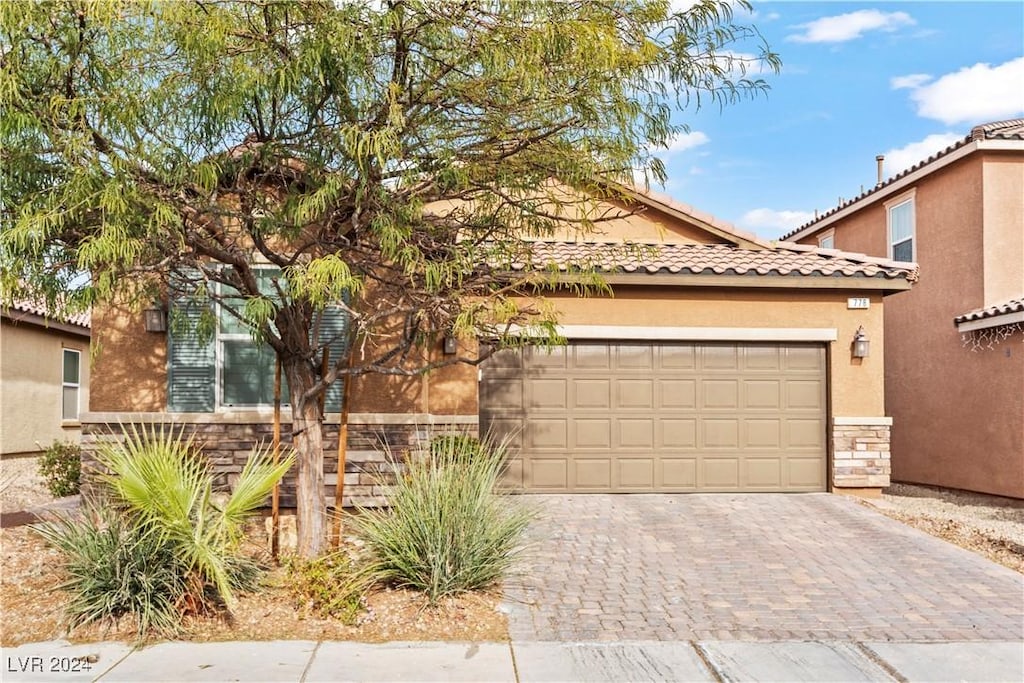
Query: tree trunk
point(307, 439)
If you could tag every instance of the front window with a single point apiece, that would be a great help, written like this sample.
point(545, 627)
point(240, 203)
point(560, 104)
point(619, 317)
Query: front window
point(827, 241)
point(901, 230)
point(71, 384)
point(245, 368)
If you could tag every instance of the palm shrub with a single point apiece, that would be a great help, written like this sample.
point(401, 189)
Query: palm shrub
point(447, 530)
point(117, 568)
point(166, 485)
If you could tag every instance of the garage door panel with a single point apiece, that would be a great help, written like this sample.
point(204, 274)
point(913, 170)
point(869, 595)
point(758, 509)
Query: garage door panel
point(592, 433)
point(636, 416)
point(720, 433)
point(592, 394)
point(512, 477)
point(677, 433)
point(635, 393)
point(546, 433)
point(635, 433)
point(546, 474)
point(677, 357)
point(677, 394)
point(592, 473)
point(678, 473)
point(636, 474)
point(762, 394)
point(763, 473)
point(721, 473)
point(762, 433)
point(720, 394)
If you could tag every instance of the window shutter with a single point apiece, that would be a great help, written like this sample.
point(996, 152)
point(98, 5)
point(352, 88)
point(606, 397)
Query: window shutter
point(191, 368)
point(334, 327)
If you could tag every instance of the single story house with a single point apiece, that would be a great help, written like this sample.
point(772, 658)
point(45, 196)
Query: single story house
point(44, 377)
point(720, 362)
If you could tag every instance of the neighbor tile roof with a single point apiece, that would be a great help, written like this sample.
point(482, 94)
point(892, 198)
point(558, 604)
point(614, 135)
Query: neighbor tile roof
point(788, 259)
point(1011, 306)
point(1011, 129)
point(35, 308)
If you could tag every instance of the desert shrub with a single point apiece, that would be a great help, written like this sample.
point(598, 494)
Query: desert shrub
point(447, 530)
point(164, 482)
point(334, 585)
point(117, 568)
point(164, 546)
point(60, 466)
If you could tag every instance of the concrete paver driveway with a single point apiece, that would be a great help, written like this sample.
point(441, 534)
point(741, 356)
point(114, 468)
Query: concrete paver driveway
point(750, 567)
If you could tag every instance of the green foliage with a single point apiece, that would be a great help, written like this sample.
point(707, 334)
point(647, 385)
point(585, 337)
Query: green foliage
point(168, 486)
point(60, 466)
point(334, 585)
point(447, 530)
point(117, 568)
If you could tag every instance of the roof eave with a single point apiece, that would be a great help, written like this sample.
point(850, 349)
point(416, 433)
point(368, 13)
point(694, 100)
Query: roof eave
point(990, 321)
point(882, 284)
point(901, 183)
point(25, 318)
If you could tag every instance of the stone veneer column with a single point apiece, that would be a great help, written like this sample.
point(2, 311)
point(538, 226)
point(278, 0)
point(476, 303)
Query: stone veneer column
point(378, 444)
point(860, 452)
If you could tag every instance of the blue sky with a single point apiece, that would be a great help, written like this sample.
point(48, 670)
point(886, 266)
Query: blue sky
point(904, 79)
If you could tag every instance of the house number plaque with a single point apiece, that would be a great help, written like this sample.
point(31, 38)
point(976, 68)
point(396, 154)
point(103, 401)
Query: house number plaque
point(858, 302)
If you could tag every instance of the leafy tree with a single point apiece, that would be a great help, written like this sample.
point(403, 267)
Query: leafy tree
point(387, 157)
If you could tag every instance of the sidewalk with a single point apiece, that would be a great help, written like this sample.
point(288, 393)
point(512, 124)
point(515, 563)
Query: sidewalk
point(988, 661)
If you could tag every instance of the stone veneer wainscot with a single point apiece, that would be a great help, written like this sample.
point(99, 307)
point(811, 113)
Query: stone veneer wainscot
point(860, 452)
point(228, 438)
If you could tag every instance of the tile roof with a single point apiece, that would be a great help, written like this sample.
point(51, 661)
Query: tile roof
point(83, 320)
point(787, 259)
point(1010, 129)
point(1011, 306)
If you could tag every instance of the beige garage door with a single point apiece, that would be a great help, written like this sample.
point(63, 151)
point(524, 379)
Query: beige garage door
point(636, 417)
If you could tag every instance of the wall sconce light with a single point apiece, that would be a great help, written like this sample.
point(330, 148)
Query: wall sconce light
point(861, 343)
point(155, 318)
point(451, 346)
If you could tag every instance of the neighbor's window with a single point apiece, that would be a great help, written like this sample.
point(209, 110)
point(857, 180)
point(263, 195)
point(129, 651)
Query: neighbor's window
point(245, 368)
point(71, 384)
point(827, 241)
point(901, 230)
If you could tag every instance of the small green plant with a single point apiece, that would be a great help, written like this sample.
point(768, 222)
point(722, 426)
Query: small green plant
point(164, 546)
point(332, 586)
point(60, 466)
point(447, 530)
point(117, 568)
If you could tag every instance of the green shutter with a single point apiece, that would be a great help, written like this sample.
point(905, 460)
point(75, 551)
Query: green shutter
point(334, 327)
point(191, 368)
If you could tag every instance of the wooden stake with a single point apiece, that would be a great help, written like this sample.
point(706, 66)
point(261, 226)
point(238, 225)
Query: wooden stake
point(275, 504)
point(339, 486)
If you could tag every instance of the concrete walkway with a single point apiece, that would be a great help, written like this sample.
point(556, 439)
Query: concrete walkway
point(765, 567)
point(532, 661)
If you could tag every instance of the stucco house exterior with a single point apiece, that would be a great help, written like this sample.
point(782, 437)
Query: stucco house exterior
point(954, 362)
point(44, 377)
point(720, 362)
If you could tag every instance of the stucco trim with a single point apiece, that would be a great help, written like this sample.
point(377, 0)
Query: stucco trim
point(818, 334)
point(862, 421)
point(265, 415)
point(994, 321)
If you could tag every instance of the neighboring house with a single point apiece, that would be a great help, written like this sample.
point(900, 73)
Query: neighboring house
point(954, 362)
point(721, 363)
point(44, 377)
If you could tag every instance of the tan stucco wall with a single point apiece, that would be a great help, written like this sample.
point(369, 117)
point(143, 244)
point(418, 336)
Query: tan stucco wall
point(958, 415)
point(130, 364)
point(31, 367)
point(1003, 213)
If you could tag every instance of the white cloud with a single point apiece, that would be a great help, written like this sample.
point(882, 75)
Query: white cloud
point(684, 141)
point(777, 222)
point(900, 159)
point(844, 27)
point(911, 81)
point(974, 94)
